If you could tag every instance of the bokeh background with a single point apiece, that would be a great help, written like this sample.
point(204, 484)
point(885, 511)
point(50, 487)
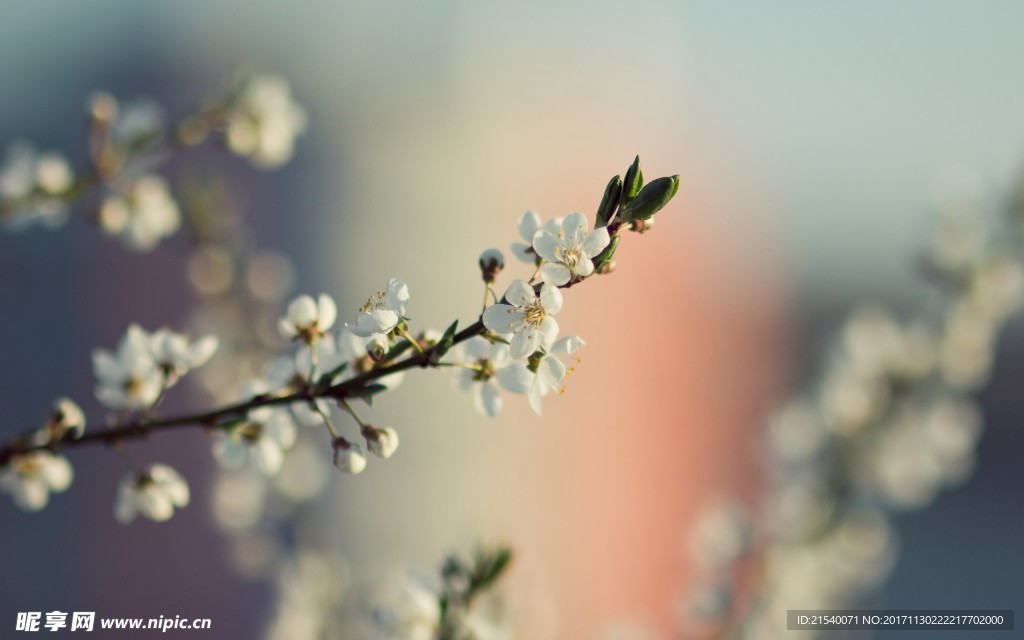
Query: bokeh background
point(809, 138)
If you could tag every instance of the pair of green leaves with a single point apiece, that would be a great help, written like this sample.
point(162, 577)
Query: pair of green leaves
point(632, 198)
point(627, 200)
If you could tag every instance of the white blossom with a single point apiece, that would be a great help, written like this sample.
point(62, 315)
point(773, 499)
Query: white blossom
point(153, 495)
point(137, 120)
point(308, 319)
point(409, 608)
point(491, 264)
point(493, 369)
point(261, 438)
point(32, 183)
point(176, 355)
point(551, 371)
point(290, 374)
point(570, 251)
point(264, 121)
point(129, 379)
point(529, 225)
point(381, 441)
point(526, 316)
point(30, 477)
point(142, 215)
point(362, 354)
point(349, 457)
point(383, 312)
point(67, 417)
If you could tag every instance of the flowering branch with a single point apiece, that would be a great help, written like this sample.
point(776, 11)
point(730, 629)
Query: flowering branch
point(361, 386)
point(513, 346)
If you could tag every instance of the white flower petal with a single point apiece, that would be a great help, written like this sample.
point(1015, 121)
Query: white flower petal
point(528, 225)
point(464, 379)
point(202, 350)
point(596, 242)
point(302, 311)
point(267, 456)
point(547, 332)
point(534, 398)
point(520, 293)
point(551, 298)
point(56, 472)
point(575, 227)
point(567, 345)
point(554, 273)
point(514, 377)
point(524, 343)
point(545, 244)
point(397, 296)
point(500, 318)
point(487, 399)
point(230, 454)
point(523, 252)
point(327, 312)
point(585, 267)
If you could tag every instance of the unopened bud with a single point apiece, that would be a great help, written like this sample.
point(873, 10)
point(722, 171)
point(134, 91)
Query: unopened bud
point(381, 442)
point(349, 457)
point(491, 264)
point(643, 226)
point(377, 347)
point(606, 268)
point(67, 416)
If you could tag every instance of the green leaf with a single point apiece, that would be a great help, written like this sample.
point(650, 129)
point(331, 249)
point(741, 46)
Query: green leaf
point(489, 567)
point(632, 183)
point(444, 344)
point(367, 392)
point(327, 378)
point(609, 202)
point(605, 256)
point(651, 199)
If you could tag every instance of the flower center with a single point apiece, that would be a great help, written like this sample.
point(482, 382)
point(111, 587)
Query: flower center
point(534, 314)
point(570, 258)
point(251, 431)
point(485, 371)
point(376, 301)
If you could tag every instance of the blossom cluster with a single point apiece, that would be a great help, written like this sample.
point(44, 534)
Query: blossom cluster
point(257, 119)
point(260, 433)
point(889, 423)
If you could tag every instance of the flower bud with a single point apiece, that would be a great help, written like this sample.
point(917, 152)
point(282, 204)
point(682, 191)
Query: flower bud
point(606, 268)
point(349, 457)
point(381, 442)
point(491, 264)
point(643, 226)
point(67, 416)
point(377, 347)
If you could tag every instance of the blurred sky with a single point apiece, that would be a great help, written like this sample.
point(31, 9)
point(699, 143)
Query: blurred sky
point(808, 136)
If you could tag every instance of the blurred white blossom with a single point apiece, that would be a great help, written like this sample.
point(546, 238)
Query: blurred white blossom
point(31, 184)
point(263, 122)
point(489, 367)
point(30, 478)
point(142, 215)
point(308, 319)
point(529, 225)
point(129, 379)
point(262, 438)
point(154, 494)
